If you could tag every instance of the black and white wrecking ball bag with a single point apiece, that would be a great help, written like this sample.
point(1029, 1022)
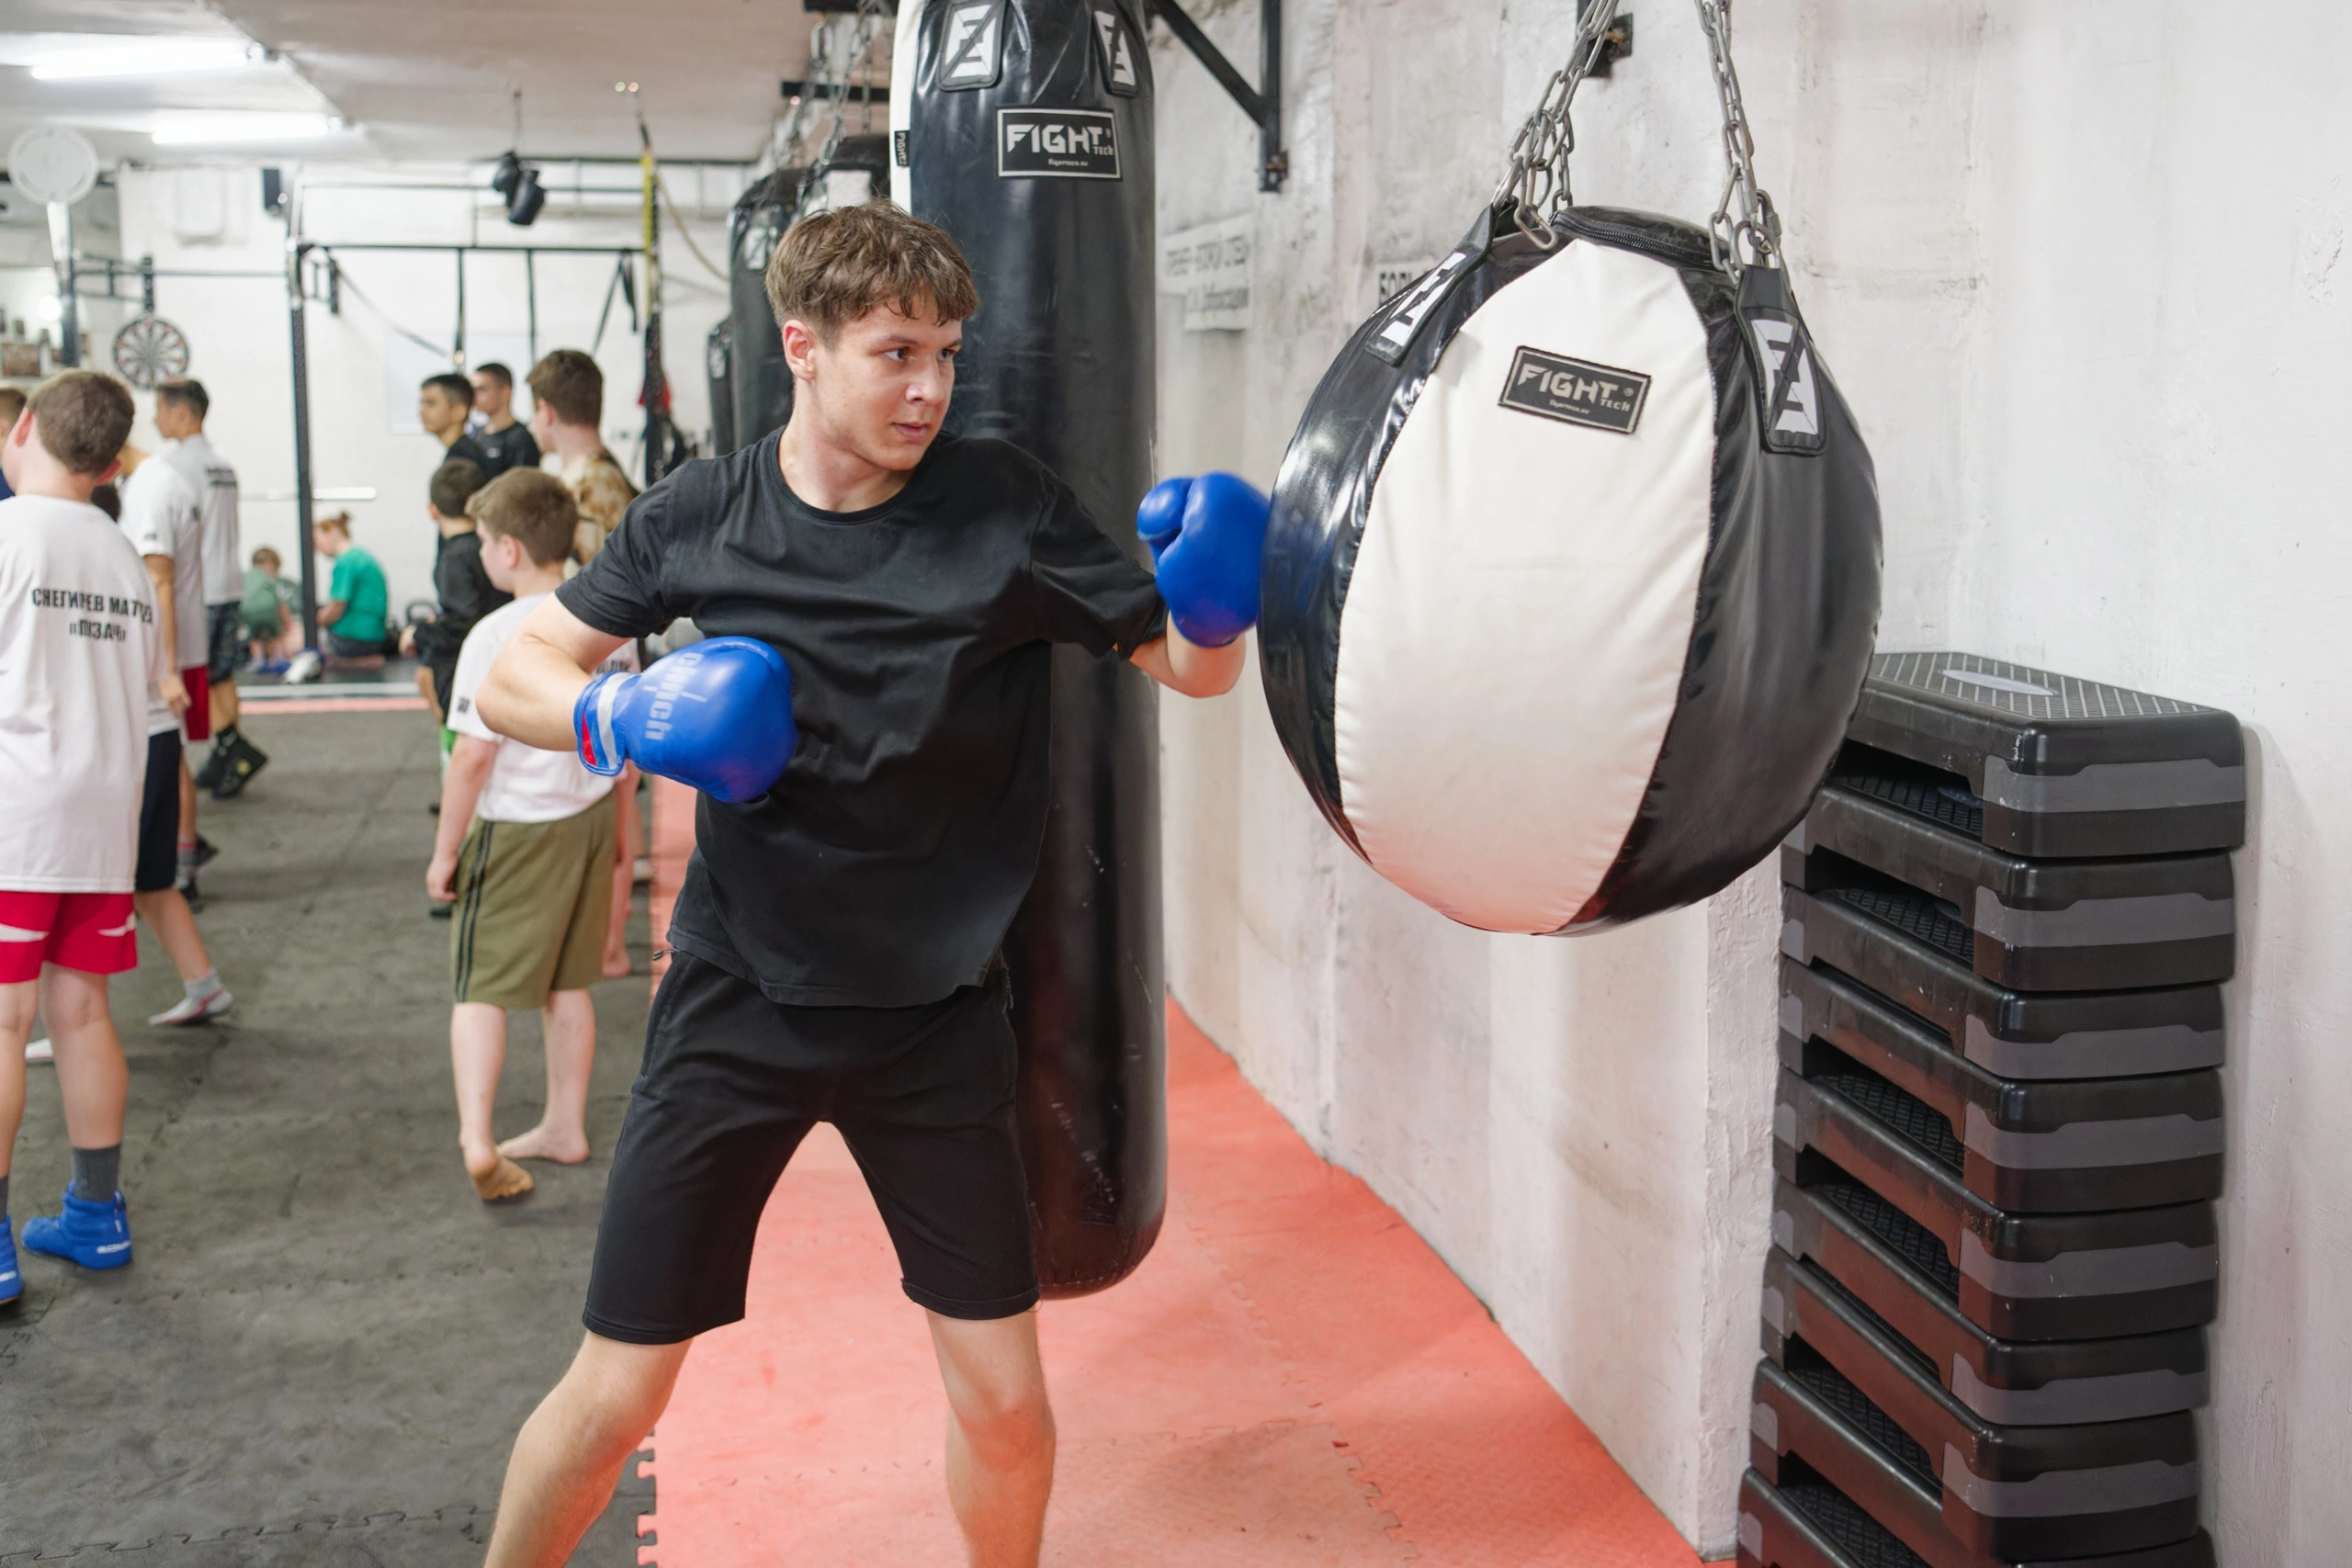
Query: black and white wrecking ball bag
point(1573, 574)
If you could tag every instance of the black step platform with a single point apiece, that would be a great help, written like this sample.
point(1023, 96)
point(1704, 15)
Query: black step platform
point(2084, 925)
point(2035, 1146)
point(2052, 766)
point(2020, 1276)
point(2009, 1491)
point(1907, 951)
point(1804, 1522)
point(1895, 1266)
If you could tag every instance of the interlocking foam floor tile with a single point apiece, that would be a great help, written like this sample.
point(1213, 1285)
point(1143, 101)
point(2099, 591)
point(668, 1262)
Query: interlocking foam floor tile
point(1292, 1377)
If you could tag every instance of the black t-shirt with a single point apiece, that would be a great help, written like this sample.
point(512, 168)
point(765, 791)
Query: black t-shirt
point(467, 594)
point(885, 867)
point(511, 447)
point(469, 447)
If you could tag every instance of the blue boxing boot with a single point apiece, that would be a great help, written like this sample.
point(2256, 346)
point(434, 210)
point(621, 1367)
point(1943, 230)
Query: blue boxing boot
point(91, 1232)
point(1207, 538)
point(12, 1283)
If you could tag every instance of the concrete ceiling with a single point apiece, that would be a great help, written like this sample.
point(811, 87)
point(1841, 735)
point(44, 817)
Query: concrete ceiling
point(431, 79)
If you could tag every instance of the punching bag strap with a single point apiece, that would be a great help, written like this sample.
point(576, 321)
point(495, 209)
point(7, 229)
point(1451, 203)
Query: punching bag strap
point(1745, 228)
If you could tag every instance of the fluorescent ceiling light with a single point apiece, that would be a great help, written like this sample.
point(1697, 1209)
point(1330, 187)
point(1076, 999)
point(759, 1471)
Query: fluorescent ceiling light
point(146, 55)
point(191, 127)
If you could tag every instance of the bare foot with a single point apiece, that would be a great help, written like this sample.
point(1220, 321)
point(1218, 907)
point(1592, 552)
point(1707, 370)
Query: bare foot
point(616, 964)
point(501, 1180)
point(541, 1143)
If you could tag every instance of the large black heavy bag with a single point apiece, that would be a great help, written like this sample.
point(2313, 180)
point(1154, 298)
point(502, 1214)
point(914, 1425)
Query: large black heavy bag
point(852, 169)
point(1023, 129)
point(1573, 576)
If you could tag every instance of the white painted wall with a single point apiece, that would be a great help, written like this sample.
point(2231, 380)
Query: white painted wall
point(363, 374)
point(2079, 269)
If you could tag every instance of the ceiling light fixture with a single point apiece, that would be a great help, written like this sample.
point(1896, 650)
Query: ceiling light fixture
point(194, 126)
point(150, 56)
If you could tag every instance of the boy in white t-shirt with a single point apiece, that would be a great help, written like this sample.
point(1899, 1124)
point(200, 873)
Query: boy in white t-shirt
point(526, 847)
point(164, 517)
point(80, 659)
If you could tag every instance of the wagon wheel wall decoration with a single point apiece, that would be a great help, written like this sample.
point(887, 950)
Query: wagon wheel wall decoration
point(150, 349)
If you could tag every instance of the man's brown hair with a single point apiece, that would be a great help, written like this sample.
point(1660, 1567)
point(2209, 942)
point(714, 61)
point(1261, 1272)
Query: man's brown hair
point(85, 417)
point(186, 391)
point(569, 382)
point(453, 483)
point(12, 404)
point(531, 505)
point(835, 266)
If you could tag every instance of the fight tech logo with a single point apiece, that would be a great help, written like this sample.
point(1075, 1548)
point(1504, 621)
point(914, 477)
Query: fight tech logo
point(1576, 392)
point(1079, 144)
point(1791, 406)
point(970, 45)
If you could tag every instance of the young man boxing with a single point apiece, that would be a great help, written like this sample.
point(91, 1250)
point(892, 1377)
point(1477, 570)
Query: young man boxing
point(880, 601)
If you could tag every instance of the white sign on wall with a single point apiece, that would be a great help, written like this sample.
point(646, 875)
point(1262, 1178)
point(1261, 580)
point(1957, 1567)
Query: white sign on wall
point(1209, 265)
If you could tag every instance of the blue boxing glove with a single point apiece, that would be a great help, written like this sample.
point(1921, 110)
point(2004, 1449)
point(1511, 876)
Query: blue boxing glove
point(1207, 537)
point(715, 714)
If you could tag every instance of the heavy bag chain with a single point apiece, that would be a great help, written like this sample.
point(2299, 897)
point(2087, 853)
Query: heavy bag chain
point(1745, 229)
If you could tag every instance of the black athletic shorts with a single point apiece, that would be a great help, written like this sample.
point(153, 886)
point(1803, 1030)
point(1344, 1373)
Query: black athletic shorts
point(224, 642)
point(159, 817)
point(924, 1097)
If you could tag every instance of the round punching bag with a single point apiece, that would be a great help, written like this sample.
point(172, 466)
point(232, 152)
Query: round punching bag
point(1572, 578)
point(1023, 129)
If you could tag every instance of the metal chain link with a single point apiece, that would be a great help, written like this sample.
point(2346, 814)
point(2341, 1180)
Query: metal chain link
point(1537, 178)
point(1756, 223)
point(1745, 228)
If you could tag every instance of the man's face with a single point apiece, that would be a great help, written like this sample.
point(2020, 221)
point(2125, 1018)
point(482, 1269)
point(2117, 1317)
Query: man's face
point(176, 421)
point(439, 412)
point(880, 389)
point(493, 397)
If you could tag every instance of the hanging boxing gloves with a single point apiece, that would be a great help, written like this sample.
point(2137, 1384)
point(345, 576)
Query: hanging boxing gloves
point(1573, 574)
point(1023, 129)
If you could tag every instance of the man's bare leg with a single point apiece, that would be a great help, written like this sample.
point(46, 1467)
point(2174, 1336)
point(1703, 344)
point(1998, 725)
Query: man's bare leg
point(477, 1052)
point(570, 1452)
point(1000, 1436)
point(568, 1023)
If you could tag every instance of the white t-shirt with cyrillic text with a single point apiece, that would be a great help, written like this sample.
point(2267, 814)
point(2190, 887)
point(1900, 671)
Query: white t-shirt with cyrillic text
point(79, 654)
point(526, 784)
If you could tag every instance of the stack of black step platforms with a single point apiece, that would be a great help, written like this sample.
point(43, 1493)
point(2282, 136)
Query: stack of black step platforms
point(1998, 1134)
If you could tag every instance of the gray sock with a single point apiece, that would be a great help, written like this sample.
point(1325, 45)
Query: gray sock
point(97, 1173)
point(203, 986)
point(3, 1197)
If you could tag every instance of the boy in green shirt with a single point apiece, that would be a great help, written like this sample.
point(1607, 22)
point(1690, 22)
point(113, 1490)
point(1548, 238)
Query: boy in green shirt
point(267, 610)
point(353, 616)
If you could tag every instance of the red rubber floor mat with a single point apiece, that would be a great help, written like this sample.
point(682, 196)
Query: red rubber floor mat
point(1292, 1377)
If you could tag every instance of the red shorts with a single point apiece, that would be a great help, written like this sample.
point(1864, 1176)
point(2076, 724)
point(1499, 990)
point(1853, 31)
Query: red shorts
point(90, 932)
point(197, 723)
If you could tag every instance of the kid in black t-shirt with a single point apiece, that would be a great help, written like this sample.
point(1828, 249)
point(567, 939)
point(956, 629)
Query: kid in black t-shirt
point(838, 928)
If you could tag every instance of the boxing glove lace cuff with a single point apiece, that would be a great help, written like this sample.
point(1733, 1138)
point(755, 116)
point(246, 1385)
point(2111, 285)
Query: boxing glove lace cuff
point(592, 723)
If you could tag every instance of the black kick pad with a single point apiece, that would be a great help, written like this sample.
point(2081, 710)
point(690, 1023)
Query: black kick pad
point(1894, 1267)
point(2084, 925)
point(2052, 766)
point(1822, 1491)
point(1900, 945)
point(2019, 1276)
point(2007, 1490)
point(2036, 1144)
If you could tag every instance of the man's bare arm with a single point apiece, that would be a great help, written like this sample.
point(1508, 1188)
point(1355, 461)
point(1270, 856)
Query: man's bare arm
point(529, 691)
point(1189, 667)
point(173, 690)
